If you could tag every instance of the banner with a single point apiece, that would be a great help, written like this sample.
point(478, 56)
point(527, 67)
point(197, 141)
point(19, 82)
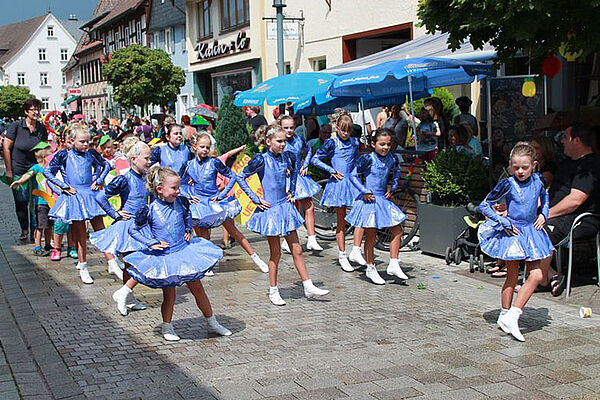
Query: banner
point(248, 206)
point(114, 201)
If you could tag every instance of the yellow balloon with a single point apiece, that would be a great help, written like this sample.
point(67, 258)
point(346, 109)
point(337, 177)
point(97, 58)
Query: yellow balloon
point(528, 89)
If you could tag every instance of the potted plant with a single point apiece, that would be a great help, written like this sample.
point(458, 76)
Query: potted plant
point(453, 180)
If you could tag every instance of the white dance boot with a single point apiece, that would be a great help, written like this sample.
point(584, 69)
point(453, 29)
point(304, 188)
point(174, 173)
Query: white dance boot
point(120, 297)
point(312, 244)
point(168, 332)
point(356, 256)
point(344, 263)
point(509, 322)
point(215, 327)
point(275, 297)
point(373, 275)
point(310, 290)
point(394, 269)
point(259, 263)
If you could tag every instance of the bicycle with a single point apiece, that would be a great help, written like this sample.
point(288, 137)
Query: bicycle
point(325, 217)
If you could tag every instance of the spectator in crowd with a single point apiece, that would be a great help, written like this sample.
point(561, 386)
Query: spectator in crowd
point(474, 144)
point(144, 131)
point(464, 105)
point(106, 130)
point(21, 137)
point(315, 144)
point(544, 149)
point(458, 137)
point(575, 189)
point(255, 120)
point(382, 117)
point(188, 129)
point(397, 124)
point(436, 109)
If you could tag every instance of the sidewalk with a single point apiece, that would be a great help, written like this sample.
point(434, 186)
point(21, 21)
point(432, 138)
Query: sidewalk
point(433, 337)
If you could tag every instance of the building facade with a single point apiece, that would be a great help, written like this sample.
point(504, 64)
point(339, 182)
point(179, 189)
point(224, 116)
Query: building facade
point(33, 54)
point(167, 31)
point(231, 47)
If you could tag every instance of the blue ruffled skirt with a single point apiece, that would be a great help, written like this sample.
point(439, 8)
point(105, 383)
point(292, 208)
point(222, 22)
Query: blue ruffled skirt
point(115, 239)
point(80, 206)
point(339, 193)
point(278, 220)
point(306, 187)
point(175, 266)
point(529, 245)
point(381, 213)
point(210, 214)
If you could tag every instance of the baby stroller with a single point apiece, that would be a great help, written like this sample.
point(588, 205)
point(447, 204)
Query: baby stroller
point(466, 245)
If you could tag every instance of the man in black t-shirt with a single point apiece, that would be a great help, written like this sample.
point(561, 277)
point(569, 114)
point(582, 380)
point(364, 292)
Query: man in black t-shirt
point(255, 120)
point(575, 189)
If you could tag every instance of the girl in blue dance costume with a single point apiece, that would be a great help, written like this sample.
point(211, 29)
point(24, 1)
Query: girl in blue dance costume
point(276, 215)
point(519, 235)
point(209, 207)
point(171, 256)
point(174, 154)
point(374, 210)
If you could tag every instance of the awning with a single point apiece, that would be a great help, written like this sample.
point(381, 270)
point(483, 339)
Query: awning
point(70, 100)
point(423, 46)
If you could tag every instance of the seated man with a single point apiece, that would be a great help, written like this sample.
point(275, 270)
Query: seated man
point(575, 189)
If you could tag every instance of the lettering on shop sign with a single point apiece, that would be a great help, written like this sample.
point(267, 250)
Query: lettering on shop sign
point(210, 50)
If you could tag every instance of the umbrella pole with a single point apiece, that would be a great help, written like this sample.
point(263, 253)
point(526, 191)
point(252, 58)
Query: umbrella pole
point(364, 126)
point(412, 111)
point(488, 95)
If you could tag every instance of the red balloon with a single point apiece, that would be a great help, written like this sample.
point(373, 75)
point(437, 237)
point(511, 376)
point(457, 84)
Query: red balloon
point(551, 66)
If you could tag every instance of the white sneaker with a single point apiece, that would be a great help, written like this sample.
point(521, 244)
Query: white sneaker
point(345, 264)
point(210, 273)
point(394, 269)
point(310, 290)
point(509, 323)
point(260, 263)
point(169, 333)
point(275, 298)
point(373, 275)
point(215, 327)
point(113, 268)
point(502, 312)
point(285, 247)
point(84, 274)
point(356, 256)
point(312, 244)
point(120, 297)
point(133, 303)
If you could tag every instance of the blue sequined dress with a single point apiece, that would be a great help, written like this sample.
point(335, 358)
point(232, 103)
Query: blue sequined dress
point(131, 187)
point(182, 261)
point(209, 213)
point(380, 213)
point(343, 155)
point(305, 186)
point(522, 206)
point(274, 172)
point(79, 171)
point(167, 156)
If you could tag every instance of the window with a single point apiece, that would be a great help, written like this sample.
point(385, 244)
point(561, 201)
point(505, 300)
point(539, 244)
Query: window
point(204, 19)
point(41, 54)
point(318, 64)
point(43, 79)
point(126, 36)
point(50, 31)
point(45, 103)
point(168, 39)
point(156, 40)
point(21, 78)
point(117, 40)
point(64, 54)
point(234, 14)
point(64, 79)
point(138, 32)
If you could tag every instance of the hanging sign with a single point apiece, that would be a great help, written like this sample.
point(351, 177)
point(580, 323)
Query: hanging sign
point(291, 31)
point(209, 50)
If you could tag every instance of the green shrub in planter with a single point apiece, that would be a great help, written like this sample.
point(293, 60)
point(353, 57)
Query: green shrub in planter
point(456, 178)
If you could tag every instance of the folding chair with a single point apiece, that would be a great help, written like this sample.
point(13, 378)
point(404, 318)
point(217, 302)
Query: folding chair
point(568, 242)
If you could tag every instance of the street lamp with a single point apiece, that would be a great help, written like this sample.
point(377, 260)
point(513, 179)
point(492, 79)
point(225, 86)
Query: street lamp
point(278, 5)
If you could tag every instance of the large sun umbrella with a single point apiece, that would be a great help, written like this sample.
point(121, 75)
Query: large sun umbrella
point(203, 110)
point(285, 89)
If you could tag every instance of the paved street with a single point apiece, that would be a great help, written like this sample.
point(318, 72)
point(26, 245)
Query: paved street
point(434, 337)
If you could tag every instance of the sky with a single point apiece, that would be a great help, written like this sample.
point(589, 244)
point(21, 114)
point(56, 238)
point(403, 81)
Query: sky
point(15, 11)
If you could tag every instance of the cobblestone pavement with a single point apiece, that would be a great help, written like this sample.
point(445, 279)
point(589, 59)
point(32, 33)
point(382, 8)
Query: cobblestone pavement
point(433, 337)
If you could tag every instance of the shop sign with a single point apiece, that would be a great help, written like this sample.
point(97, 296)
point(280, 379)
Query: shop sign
point(291, 30)
point(74, 92)
point(210, 50)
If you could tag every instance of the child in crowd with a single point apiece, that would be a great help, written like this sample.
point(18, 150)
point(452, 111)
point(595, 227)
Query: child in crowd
point(174, 154)
point(306, 188)
point(83, 171)
point(315, 144)
point(108, 150)
point(209, 207)
point(171, 256)
point(340, 193)
point(374, 210)
point(43, 227)
point(276, 215)
point(428, 131)
point(131, 188)
point(544, 155)
point(519, 235)
point(458, 137)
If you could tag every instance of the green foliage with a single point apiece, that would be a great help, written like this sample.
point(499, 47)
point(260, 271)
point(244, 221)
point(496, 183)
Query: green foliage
point(231, 130)
point(536, 26)
point(12, 99)
point(444, 95)
point(142, 76)
point(456, 178)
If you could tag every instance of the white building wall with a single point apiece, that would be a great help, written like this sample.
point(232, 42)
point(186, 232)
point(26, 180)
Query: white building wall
point(27, 61)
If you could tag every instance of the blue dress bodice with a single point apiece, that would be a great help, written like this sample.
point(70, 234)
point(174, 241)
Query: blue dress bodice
point(342, 153)
point(376, 169)
point(298, 147)
point(79, 170)
point(272, 171)
point(204, 175)
point(131, 188)
point(167, 156)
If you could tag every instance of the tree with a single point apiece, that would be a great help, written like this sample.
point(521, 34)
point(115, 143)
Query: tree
point(142, 76)
point(535, 27)
point(12, 99)
point(231, 130)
